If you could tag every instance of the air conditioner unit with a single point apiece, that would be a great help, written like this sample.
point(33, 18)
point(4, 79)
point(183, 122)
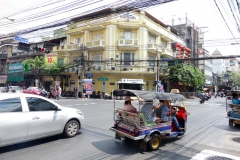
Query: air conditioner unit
point(113, 68)
point(125, 69)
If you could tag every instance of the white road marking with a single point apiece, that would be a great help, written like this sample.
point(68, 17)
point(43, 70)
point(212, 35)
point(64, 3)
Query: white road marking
point(68, 105)
point(77, 104)
point(208, 153)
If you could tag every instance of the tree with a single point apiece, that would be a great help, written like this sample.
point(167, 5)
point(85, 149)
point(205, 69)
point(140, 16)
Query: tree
point(58, 33)
point(233, 78)
point(56, 68)
point(37, 63)
point(187, 74)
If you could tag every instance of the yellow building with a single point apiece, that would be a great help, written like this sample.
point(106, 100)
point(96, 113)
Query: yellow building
point(120, 47)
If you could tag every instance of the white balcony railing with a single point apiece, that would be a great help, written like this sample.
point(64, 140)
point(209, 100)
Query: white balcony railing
point(72, 47)
point(130, 44)
point(95, 45)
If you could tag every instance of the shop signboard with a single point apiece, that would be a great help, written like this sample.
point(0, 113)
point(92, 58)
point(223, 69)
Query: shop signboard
point(15, 68)
point(51, 58)
point(3, 79)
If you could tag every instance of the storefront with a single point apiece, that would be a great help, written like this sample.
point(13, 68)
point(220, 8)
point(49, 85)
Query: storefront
point(134, 84)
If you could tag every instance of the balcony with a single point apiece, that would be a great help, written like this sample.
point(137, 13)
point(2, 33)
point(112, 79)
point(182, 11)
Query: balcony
point(167, 52)
point(59, 48)
point(96, 45)
point(153, 47)
point(73, 47)
point(128, 44)
point(3, 56)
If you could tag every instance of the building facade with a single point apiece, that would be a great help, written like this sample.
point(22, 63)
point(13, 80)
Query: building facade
point(120, 47)
point(218, 65)
point(231, 65)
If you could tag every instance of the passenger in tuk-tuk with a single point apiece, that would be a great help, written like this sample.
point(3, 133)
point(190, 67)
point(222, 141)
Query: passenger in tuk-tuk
point(235, 99)
point(128, 106)
point(147, 110)
point(162, 112)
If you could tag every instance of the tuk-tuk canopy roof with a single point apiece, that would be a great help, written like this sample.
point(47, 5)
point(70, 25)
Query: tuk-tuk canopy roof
point(231, 93)
point(148, 95)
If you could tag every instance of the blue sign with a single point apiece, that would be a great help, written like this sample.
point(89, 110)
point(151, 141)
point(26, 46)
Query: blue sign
point(19, 39)
point(165, 59)
point(89, 75)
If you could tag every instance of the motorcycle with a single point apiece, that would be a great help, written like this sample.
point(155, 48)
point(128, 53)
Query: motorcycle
point(107, 96)
point(201, 100)
point(45, 94)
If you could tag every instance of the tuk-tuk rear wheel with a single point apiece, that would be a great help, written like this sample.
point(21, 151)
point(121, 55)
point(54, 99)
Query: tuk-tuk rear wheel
point(154, 142)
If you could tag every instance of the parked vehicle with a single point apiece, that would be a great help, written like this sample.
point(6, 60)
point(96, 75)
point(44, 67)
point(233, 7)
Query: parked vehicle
point(233, 107)
point(45, 94)
point(26, 117)
point(3, 89)
point(15, 89)
point(32, 90)
point(135, 126)
point(108, 96)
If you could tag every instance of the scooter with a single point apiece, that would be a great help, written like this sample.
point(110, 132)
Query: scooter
point(45, 94)
point(107, 96)
point(201, 100)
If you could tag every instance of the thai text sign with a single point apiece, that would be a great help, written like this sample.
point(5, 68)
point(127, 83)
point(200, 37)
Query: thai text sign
point(15, 68)
point(50, 58)
point(19, 39)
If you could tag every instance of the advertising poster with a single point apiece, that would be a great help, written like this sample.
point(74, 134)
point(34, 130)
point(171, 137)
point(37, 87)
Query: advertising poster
point(51, 58)
point(3, 79)
point(87, 85)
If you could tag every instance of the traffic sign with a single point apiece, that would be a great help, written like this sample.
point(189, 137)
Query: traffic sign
point(102, 79)
point(19, 39)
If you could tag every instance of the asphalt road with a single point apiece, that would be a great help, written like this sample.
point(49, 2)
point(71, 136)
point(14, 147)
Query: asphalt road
point(208, 134)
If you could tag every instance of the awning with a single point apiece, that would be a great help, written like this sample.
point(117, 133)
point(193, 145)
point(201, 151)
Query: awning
point(15, 78)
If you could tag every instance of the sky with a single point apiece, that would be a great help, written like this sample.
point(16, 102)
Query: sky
point(203, 13)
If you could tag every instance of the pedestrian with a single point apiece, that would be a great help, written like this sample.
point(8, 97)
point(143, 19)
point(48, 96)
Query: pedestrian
point(59, 89)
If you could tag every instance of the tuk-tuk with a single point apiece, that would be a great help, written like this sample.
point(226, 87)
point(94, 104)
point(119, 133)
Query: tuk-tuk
point(138, 127)
point(233, 107)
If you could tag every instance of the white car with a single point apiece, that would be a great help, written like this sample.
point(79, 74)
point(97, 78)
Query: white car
point(24, 117)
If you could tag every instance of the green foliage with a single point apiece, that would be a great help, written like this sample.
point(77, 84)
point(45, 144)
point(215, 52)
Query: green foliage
point(58, 33)
point(187, 74)
point(36, 63)
point(234, 78)
point(56, 68)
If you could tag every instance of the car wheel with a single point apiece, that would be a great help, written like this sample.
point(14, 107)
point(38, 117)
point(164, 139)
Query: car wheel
point(71, 128)
point(154, 142)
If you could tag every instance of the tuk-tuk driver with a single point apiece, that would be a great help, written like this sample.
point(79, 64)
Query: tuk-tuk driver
point(161, 112)
point(128, 106)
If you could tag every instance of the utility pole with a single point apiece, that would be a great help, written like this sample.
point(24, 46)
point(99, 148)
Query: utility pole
point(83, 68)
point(81, 62)
point(157, 72)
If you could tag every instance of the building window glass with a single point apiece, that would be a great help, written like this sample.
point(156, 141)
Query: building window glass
point(151, 62)
point(152, 38)
point(97, 58)
point(127, 58)
point(97, 36)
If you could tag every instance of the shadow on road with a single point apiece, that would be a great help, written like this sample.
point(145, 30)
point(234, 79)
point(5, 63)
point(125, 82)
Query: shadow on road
point(235, 128)
point(32, 143)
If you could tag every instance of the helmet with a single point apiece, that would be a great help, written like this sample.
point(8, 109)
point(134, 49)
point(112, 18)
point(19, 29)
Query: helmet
point(202, 92)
